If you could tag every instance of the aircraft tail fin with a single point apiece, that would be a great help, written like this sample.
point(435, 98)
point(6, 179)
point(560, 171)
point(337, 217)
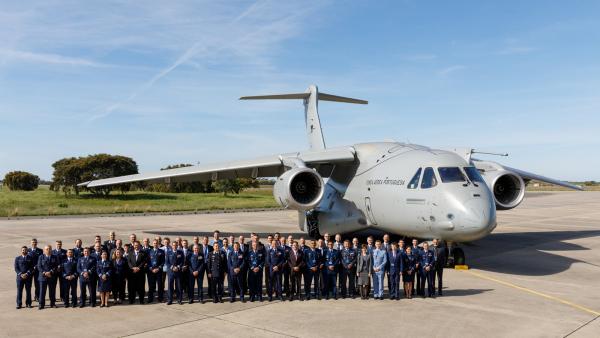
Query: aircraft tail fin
point(311, 111)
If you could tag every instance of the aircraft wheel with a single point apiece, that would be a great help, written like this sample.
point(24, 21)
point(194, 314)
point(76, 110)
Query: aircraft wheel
point(459, 256)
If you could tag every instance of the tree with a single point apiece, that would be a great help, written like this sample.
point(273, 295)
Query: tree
point(21, 180)
point(178, 187)
point(69, 172)
point(235, 185)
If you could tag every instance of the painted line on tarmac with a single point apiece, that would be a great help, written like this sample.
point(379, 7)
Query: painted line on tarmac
point(537, 293)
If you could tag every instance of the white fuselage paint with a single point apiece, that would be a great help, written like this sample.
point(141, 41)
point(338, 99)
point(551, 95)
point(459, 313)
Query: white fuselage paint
point(377, 197)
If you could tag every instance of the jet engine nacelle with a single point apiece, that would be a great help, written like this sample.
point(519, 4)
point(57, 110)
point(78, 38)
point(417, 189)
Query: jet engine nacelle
point(299, 189)
point(507, 187)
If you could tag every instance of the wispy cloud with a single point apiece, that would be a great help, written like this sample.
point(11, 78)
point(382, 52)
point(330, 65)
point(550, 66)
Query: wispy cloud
point(451, 69)
point(512, 50)
point(17, 55)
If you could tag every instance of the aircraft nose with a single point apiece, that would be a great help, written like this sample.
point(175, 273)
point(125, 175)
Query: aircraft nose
point(479, 214)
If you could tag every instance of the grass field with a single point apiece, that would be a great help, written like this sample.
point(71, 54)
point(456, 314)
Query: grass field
point(43, 202)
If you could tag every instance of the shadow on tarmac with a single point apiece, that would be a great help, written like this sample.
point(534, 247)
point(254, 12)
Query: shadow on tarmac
point(526, 253)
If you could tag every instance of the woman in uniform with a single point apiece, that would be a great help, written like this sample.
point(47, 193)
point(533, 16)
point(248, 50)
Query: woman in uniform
point(408, 274)
point(119, 276)
point(105, 271)
point(363, 272)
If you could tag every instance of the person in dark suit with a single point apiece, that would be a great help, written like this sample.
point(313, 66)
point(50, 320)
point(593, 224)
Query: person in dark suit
point(174, 263)
point(416, 251)
point(69, 276)
point(236, 263)
point(111, 242)
point(121, 271)
point(78, 250)
point(105, 271)
point(395, 261)
point(244, 249)
point(48, 267)
point(296, 264)
point(185, 269)
point(24, 270)
point(440, 256)
point(205, 250)
point(196, 273)
point(137, 262)
point(217, 263)
point(86, 269)
point(156, 261)
point(35, 254)
point(410, 269)
point(276, 259)
point(61, 255)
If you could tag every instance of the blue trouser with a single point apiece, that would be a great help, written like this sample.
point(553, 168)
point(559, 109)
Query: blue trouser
point(394, 283)
point(255, 283)
point(275, 283)
point(427, 276)
point(87, 285)
point(378, 283)
point(324, 282)
point(70, 286)
point(331, 286)
point(192, 281)
point(175, 285)
point(47, 284)
point(236, 284)
point(23, 284)
point(311, 277)
point(347, 280)
point(155, 281)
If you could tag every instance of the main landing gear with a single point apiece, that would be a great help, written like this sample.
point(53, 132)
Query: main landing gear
point(456, 255)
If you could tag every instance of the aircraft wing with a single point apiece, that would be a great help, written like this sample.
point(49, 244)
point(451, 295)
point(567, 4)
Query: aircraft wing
point(268, 166)
point(526, 176)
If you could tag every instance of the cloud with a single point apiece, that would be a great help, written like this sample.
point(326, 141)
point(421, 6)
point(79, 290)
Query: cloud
point(452, 69)
point(512, 50)
point(55, 59)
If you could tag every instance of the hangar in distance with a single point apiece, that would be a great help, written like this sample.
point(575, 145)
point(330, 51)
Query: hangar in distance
point(399, 188)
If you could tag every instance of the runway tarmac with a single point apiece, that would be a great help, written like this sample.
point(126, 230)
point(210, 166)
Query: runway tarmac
point(537, 275)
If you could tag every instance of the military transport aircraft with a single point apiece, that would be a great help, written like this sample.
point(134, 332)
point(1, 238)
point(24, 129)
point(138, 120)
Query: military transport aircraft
point(399, 188)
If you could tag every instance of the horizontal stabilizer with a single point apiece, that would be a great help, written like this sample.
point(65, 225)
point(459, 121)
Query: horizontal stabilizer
point(320, 97)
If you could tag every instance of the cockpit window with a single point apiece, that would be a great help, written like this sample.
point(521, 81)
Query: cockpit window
point(414, 182)
point(474, 175)
point(451, 174)
point(429, 180)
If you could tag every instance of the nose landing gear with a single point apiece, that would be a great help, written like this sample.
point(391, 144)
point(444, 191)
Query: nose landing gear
point(312, 222)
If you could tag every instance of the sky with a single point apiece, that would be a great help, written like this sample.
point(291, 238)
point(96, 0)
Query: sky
point(159, 81)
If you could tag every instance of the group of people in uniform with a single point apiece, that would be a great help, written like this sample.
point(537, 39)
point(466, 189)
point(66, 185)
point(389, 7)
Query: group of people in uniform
point(302, 270)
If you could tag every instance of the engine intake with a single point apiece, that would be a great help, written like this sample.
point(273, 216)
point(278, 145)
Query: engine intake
point(299, 188)
point(508, 188)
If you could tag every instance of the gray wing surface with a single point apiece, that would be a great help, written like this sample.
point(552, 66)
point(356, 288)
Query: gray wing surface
point(268, 166)
point(526, 176)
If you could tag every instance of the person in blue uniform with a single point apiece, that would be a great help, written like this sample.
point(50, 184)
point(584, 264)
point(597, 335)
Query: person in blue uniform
point(156, 260)
point(322, 247)
point(332, 258)
point(35, 254)
point(48, 268)
point(267, 274)
point(70, 276)
point(256, 262)
point(174, 262)
point(409, 271)
point(379, 262)
point(236, 264)
point(416, 251)
point(395, 262)
point(295, 262)
point(217, 263)
point(119, 279)
point(61, 255)
point(313, 259)
point(86, 268)
point(286, 245)
point(348, 270)
point(196, 273)
point(276, 259)
point(24, 271)
point(105, 271)
point(426, 270)
point(78, 250)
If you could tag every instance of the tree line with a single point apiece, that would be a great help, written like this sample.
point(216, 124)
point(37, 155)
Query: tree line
point(71, 171)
